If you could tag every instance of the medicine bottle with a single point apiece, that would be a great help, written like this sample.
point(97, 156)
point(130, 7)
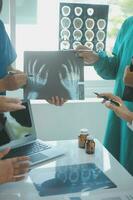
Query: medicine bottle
point(90, 145)
point(82, 137)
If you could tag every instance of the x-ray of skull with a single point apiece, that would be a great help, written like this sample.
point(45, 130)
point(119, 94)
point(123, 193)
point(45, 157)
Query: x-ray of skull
point(54, 73)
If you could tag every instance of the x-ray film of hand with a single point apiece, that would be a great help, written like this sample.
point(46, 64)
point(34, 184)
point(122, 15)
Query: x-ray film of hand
point(37, 79)
point(71, 80)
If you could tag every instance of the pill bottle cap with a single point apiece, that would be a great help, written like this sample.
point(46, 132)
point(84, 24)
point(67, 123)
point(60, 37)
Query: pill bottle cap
point(90, 137)
point(84, 130)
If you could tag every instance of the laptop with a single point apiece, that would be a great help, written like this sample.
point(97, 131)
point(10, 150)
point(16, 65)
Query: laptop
point(20, 134)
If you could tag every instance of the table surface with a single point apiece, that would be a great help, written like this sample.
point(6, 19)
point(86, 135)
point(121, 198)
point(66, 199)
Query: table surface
point(25, 189)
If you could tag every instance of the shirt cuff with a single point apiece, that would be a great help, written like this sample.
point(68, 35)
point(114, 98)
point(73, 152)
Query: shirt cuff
point(130, 125)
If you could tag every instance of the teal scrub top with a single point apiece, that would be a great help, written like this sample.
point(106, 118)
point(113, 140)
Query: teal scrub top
point(7, 52)
point(118, 137)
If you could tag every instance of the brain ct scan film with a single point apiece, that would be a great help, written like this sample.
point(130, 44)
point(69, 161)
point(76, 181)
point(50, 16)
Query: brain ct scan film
point(63, 180)
point(83, 24)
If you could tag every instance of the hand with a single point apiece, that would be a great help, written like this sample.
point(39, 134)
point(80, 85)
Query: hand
point(128, 77)
point(13, 169)
point(10, 104)
point(121, 111)
point(71, 80)
point(89, 56)
point(37, 79)
point(57, 101)
point(14, 81)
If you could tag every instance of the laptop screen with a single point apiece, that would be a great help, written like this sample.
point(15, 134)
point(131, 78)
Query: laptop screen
point(17, 127)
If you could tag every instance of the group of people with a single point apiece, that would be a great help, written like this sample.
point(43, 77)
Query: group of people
point(118, 136)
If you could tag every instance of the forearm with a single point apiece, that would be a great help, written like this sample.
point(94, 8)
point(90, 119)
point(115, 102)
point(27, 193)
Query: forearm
point(107, 67)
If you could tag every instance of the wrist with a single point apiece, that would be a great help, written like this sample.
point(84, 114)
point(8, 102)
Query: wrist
point(96, 58)
point(2, 85)
point(130, 117)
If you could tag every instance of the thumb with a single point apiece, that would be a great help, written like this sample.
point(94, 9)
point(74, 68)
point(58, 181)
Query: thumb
point(4, 152)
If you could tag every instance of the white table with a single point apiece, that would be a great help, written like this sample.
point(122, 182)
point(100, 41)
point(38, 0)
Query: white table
point(25, 189)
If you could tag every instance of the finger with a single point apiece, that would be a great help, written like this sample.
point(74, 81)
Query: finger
point(21, 165)
point(19, 159)
point(104, 101)
point(84, 54)
point(111, 106)
point(81, 54)
point(62, 101)
point(22, 171)
point(12, 100)
point(81, 47)
point(4, 152)
point(53, 100)
point(22, 168)
point(23, 158)
point(106, 94)
point(57, 101)
point(111, 96)
point(13, 107)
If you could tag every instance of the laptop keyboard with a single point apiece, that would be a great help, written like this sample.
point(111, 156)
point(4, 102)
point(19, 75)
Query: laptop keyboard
point(27, 150)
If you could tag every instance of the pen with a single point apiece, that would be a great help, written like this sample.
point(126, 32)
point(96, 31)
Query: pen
point(13, 73)
point(108, 99)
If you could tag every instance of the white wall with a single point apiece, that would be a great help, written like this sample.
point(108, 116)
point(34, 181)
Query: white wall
point(57, 123)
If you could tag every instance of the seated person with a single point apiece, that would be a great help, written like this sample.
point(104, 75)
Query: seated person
point(13, 169)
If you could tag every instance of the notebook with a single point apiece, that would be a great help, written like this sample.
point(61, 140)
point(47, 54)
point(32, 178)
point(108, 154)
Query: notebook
point(19, 131)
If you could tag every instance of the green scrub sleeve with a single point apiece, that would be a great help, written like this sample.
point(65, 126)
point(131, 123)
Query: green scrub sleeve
point(107, 67)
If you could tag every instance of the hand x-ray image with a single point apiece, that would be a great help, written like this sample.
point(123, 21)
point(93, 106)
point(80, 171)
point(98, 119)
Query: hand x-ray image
point(69, 179)
point(54, 73)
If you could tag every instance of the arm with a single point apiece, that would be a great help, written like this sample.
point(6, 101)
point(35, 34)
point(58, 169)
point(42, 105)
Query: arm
point(13, 82)
point(105, 66)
